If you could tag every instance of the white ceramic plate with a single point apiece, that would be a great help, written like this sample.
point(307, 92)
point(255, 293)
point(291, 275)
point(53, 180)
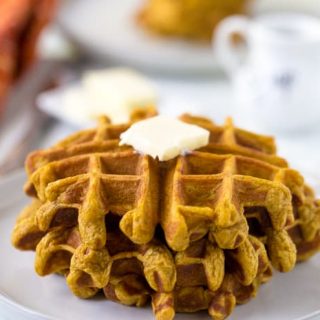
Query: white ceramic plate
point(51, 102)
point(108, 29)
point(25, 296)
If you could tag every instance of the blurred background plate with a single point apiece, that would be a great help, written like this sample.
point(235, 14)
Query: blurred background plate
point(305, 6)
point(108, 31)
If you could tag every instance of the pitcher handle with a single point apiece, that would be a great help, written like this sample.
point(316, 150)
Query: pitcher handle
point(226, 51)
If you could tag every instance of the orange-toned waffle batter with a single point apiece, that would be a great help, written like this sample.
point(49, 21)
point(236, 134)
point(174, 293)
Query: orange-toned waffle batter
point(200, 231)
point(193, 19)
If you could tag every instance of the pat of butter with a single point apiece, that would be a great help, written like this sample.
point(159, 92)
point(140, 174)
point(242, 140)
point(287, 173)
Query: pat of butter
point(164, 137)
point(114, 92)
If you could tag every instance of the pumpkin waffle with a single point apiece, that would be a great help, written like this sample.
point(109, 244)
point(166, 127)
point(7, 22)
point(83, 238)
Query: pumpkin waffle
point(132, 274)
point(304, 231)
point(88, 175)
point(26, 234)
point(192, 19)
point(69, 177)
point(204, 227)
point(202, 281)
point(228, 139)
point(208, 193)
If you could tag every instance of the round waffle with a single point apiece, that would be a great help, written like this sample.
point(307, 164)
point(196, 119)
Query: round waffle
point(192, 19)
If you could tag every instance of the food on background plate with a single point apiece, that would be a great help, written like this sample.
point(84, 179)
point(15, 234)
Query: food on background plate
point(201, 230)
point(116, 92)
point(21, 24)
point(193, 19)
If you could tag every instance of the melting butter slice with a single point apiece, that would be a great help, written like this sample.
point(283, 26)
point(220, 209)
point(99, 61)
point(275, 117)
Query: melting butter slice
point(164, 137)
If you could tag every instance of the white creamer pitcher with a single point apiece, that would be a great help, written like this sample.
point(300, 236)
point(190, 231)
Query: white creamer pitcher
point(276, 75)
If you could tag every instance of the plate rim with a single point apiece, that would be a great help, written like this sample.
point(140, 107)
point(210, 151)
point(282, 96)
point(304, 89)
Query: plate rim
point(13, 178)
point(10, 302)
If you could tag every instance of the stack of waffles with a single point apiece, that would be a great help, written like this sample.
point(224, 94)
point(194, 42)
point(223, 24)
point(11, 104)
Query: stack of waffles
point(193, 19)
point(201, 231)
